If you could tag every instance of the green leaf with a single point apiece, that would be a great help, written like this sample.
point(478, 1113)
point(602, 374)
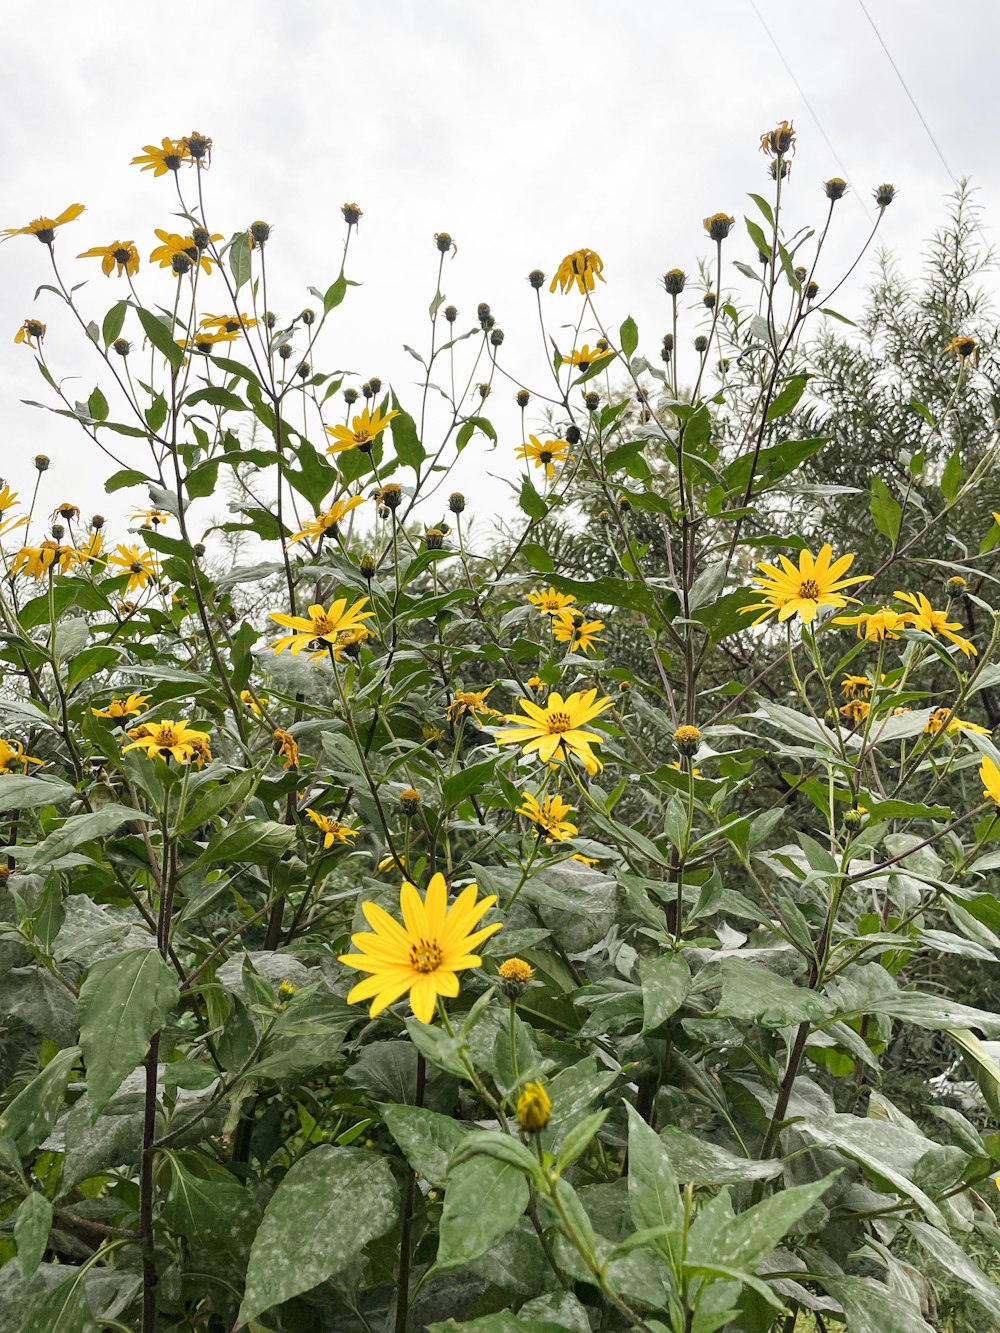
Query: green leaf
point(203, 479)
point(97, 406)
point(32, 1223)
point(335, 293)
point(114, 321)
point(483, 1199)
point(983, 1066)
point(871, 1307)
point(74, 832)
point(240, 263)
point(665, 983)
point(410, 452)
point(88, 663)
point(886, 510)
point(579, 1138)
point(741, 1241)
point(751, 991)
point(64, 1309)
point(123, 1001)
point(951, 476)
point(159, 334)
point(653, 1191)
point(332, 1202)
point(216, 396)
point(629, 336)
point(251, 840)
point(468, 429)
point(956, 1264)
point(214, 1214)
point(19, 792)
point(427, 1139)
point(538, 558)
point(531, 502)
point(700, 1162)
point(32, 1113)
point(126, 477)
point(787, 400)
point(468, 780)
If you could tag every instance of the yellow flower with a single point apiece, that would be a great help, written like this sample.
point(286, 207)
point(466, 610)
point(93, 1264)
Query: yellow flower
point(227, 323)
point(687, 738)
point(168, 157)
point(151, 517)
point(574, 628)
point(592, 860)
point(246, 697)
point(173, 244)
point(349, 641)
point(875, 626)
point(170, 739)
point(120, 253)
point(31, 328)
point(535, 683)
point(923, 617)
point(550, 815)
point(117, 708)
point(555, 731)
point(965, 348)
point(424, 954)
point(856, 710)
point(45, 228)
point(990, 775)
point(534, 1106)
point(332, 829)
point(777, 142)
point(319, 625)
point(141, 565)
point(585, 358)
point(36, 561)
point(944, 717)
point(718, 225)
point(471, 703)
point(205, 342)
point(544, 454)
point(12, 752)
point(516, 969)
point(578, 269)
point(327, 521)
point(287, 748)
point(362, 433)
point(89, 552)
point(853, 686)
point(802, 591)
point(550, 603)
point(8, 499)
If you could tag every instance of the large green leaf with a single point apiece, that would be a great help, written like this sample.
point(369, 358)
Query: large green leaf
point(64, 1309)
point(74, 832)
point(427, 1139)
point(483, 1199)
point(741, 1241)
point(653, 1192)
point(328, 1207)
point(19, 792)
point(751, 991)
point(254, 840)
point(160, 336)
point(665, 983)
point(123, 1002)
point(33, 1112)
point(32, 1223)
point(871, 1307)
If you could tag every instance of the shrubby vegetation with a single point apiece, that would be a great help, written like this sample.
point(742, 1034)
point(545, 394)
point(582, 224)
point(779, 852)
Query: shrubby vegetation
point(406, 928)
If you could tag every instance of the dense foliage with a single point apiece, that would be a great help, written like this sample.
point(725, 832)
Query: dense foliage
point(405, 926)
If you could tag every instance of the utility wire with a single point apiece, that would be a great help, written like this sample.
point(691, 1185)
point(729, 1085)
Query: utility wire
point(826, 138)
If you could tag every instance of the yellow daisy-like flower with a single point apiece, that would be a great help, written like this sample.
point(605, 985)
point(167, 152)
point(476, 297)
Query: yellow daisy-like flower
point(550, 603)
point(154, 518)
point(471, 703)
point(118, 708)
point(856, 710)
point(168, 739)
point(965, 348)
point(924, 617)
point(227, 323)
point(90, 552)
point(534, 1106)
point(31, 328)
point(423, 955)
point(875, 626)
point(944, 717)
point(246, 697)
point(204, 342)
point(585, 358)
point(319, 625)
point(45, 228)
point(169, 156)
point(802, 590)
point(349, 641)
point(578, 270)
point(173, 244)
point(37, 561)
point(777, 142)
point(361, 434)
point(549, 814)
point(122, 254)
point(555, 730)
point(332, 829)
point(327, 521)
point(574, 628)
point(12, 752)
point(141, 565)
point(853, 687)
point(288, 748)
point(545, 454)
point(990, 775)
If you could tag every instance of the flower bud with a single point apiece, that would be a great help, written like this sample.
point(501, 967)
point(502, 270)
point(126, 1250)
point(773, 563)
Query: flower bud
point(303, 370)
point(260, 233)
point(496, 337)
point(367, 391)
point(443, 241)
point(592, 401)
point(97, 522)
point(701, 343)
point(456, 502)
point(434, 539)
point(674, 281)
point(484, 391)
point(800, 272)
point(624, 504)
point(719, 225)
point(391, 495)
point(482, 311)
point(308, 316)
point(854, 817)
point(831, 718)
point(122, 346)
point(202, 238)
point(573, 435)
point(180, 264)
point(534, 1106)
point(522, 397)
point(537, 278)
point(709, 300)
point(450, 313)
point(269, 319)
point(513, 977)
point(367, 566)
point(352, 214)
point(687, 739)
point(199, 549)
point(41, 462)
point(723, 365)
point(409, 801)
point(5, 873)
point(812, 291)
point(350, 396)
point(956, 584)
point(58, 531)
point(884, 194)
point(375, 384)
point(285, 351)
point(835, 188)
point(783, 170)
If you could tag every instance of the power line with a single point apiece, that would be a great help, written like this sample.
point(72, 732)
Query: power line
point(798, 87)
point(912, 99)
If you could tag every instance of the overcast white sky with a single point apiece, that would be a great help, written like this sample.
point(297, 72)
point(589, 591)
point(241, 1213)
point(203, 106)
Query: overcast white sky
point(526, 129)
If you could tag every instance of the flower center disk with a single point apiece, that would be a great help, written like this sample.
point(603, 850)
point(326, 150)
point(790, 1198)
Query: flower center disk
point(425, 956)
